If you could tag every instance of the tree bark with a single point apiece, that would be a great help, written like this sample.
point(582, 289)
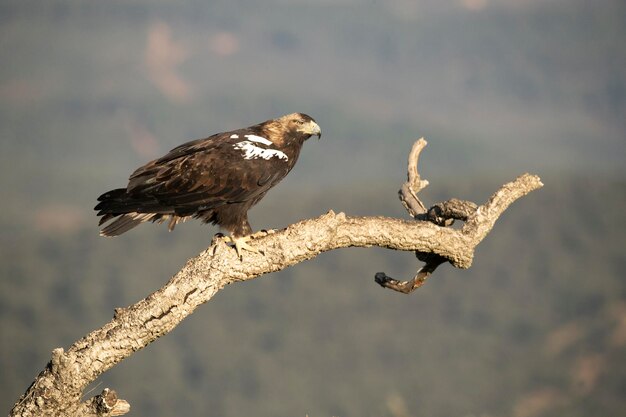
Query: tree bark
point(58, 389)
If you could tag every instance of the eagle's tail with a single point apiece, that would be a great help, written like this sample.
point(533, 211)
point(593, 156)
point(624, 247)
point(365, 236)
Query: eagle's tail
point(124, 222)
point(128, 212)
point(117, 204)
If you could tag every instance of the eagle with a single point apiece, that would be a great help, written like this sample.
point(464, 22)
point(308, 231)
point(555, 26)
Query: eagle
point(216, 179)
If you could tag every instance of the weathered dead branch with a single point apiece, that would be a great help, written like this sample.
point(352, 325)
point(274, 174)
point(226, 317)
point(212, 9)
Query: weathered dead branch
point(442, 214)
point(58, 389)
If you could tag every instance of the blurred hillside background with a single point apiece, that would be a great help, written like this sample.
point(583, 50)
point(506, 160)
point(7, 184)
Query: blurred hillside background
point(90, 90)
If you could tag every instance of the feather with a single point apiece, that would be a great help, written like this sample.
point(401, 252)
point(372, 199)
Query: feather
point(124, 223)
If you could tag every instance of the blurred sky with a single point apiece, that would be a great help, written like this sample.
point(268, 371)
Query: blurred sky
point(525, 84)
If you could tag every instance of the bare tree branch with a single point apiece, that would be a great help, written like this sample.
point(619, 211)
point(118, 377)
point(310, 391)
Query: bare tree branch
point(58, 389)
point(442, 214)
point(417, 281)
point(414, 183)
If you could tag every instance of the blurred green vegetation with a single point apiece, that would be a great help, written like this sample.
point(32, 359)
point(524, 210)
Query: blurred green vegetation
point(536, 327)
point(544, 298)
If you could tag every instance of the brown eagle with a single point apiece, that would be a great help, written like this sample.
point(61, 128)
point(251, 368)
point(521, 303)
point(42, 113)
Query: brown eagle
point(216, 180)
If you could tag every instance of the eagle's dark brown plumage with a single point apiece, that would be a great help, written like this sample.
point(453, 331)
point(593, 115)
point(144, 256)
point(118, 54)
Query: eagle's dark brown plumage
point(217, 179)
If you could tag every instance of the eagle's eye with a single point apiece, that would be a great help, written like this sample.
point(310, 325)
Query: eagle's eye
point(299, 122)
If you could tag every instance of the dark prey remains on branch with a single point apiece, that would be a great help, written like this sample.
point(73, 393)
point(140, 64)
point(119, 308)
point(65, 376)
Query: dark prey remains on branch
point(216, 180)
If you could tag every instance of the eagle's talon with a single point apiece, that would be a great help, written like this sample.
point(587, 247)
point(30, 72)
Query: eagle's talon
point(262, 233)
point(216, 238)
point(241, 243)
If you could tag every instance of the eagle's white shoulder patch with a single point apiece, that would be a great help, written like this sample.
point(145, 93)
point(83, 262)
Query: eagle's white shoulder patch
point(250, 151)
point(259, 139)
point(234, 136)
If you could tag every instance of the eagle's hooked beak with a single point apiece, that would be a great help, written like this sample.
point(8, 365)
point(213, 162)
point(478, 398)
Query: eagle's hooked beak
point(312, 128)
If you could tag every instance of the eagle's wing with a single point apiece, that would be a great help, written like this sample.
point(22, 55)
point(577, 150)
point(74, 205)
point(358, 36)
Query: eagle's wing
point(204, 174)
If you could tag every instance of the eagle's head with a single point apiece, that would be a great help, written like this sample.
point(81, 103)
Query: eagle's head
point(300, 125)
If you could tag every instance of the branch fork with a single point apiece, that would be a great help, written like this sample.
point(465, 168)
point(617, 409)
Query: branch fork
point(443, 215)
